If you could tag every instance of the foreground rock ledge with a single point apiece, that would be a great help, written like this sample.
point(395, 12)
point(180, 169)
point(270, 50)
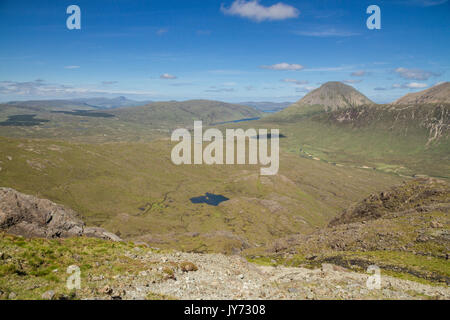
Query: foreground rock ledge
point(29, 216)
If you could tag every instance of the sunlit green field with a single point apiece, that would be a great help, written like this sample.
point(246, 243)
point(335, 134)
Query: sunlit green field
point(135, 190)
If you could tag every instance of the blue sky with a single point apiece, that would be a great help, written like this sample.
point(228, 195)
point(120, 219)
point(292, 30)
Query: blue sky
point(226, 50)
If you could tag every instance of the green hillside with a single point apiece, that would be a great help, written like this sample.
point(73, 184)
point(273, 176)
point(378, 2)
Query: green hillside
point(158, 114)
point(133, 189)
point(139, 123)
point(406, 139)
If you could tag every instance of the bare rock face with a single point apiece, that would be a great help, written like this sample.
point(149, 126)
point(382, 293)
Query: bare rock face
point(28, 216)
point(334, 95)
point(96, 232)
point(418, 195)
point(439, 93)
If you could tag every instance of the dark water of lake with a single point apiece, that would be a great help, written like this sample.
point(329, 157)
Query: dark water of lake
point(209, 198)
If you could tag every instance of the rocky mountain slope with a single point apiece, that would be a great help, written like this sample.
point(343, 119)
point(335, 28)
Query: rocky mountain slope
point(439, 93)
point(331, 96)
point(28, 216)
point(402, 231)
point(36, 269)
point(430, 120)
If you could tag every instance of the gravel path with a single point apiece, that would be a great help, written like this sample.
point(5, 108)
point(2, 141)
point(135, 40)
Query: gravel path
point(232, 277)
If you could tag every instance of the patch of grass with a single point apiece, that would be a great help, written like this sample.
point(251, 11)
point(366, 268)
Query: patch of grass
point(41, 264)
point(109, 183)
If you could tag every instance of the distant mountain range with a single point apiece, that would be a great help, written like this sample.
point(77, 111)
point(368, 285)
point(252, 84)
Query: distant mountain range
point(79, 103)
point(337, 123)
point(185, 112)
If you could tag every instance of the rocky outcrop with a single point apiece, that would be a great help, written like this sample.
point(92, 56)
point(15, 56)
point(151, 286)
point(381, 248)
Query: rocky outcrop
point(334, 95)
point(439, 93)
point(28, 216)
point(418, 195)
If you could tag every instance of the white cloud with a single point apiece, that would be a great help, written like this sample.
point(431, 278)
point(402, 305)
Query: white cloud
point(167, 76)
point(42, 89)
point(305, 89)
point(71, 67)
point(284, 66)
point(411, 85)
point(360, 73)
point(416, 85)
point(253, 10)
point(415, 74)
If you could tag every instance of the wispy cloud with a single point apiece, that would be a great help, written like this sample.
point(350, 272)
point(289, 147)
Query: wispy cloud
point(352, 81)
point(204, 32)
point(411, 85)
point(415, 74)
point(71, 67)
point(162, 31)
point(430, 3)
point(255, 11)
point(284, 66)
point(226, 72)
point(181, 84)
point(323, 33)
point(167, 76)
point(109, 82)
point(360, 73)
point(305, 89)
point(229, 84)
point(421, 3)
point(295, 81)
point(215, 89)
point(42, 89)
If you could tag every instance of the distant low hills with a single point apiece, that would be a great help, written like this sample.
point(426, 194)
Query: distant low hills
point(437, 94)
point(79, 104)
point(185, 112)
point(49, 105)
point(111, 103)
